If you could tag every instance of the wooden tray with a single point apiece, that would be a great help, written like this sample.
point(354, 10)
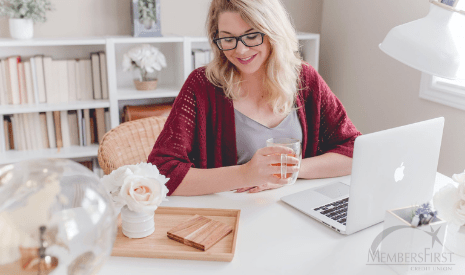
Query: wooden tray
point(158, 245)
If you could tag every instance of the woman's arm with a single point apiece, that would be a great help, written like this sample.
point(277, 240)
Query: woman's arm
point(325, 166)
point(208, 181)
point(258, 171)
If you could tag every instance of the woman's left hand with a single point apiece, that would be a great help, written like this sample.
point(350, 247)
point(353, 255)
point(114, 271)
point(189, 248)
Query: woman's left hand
point(256, 189)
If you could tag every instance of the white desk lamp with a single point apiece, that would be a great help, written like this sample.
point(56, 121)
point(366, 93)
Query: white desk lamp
point(434, 44)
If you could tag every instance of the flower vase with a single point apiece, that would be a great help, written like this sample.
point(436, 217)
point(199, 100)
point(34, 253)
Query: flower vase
point(455, 239)
point(137, 225)
point(21, 28)
point(145, 81)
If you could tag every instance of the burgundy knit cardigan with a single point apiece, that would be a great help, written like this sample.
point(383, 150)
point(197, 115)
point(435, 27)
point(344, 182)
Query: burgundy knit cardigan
point(200, 131)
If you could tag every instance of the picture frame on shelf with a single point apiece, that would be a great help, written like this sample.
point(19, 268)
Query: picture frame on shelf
point(145, 18)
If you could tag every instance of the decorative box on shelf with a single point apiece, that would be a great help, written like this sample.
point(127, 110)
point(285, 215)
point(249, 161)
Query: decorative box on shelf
point(408, 249)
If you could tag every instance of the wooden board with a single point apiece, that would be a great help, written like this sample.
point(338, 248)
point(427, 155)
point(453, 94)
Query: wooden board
point(158, 245)
point(200, 232)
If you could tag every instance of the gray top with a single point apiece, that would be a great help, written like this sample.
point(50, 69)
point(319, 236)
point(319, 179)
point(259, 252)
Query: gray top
point(251, 135)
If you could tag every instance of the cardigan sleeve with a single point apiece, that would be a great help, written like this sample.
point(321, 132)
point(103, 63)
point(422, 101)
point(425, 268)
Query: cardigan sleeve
point(336, 132)
point(174, 144)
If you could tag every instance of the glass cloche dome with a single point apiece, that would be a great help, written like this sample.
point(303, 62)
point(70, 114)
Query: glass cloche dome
point(55, 218)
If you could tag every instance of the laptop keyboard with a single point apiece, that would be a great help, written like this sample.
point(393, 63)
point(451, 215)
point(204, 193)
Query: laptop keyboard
point(336, 211)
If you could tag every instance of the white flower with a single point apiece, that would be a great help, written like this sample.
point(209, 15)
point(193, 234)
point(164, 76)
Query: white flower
point(461, 190)
point(460, 178)
point(127, 63)
point(146, 57)
point(140, 187)
point(449, 204)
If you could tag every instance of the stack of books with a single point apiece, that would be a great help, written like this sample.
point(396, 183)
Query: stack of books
point(201, 57)
point(55, 129)
point(40, 79)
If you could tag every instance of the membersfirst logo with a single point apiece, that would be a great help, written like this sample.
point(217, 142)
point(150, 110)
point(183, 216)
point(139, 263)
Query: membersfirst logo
point(421, 257)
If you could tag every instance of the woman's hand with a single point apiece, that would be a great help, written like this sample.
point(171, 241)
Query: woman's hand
point(256, 189)
point(262, 175)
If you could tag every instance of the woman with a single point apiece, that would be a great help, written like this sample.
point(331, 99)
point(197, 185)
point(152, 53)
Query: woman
point(256, 80)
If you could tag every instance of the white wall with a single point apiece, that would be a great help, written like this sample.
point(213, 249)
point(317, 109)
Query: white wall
point(378, 91)
point(112, 17)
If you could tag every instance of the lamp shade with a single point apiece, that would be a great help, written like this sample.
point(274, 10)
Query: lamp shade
point(434, 44)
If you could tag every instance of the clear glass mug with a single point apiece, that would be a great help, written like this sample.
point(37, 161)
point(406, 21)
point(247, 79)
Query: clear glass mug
point(295, 145)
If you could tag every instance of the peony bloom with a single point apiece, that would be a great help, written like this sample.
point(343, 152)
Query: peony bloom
point(450, 201)
point(141, 187)
point(145, 57)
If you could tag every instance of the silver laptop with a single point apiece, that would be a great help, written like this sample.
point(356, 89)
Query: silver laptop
point(390, 169)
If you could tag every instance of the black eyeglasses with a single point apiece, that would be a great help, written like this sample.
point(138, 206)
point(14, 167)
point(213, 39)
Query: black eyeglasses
point(230, 43)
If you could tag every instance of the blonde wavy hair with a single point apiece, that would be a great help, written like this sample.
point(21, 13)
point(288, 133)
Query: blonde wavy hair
point(284, 63)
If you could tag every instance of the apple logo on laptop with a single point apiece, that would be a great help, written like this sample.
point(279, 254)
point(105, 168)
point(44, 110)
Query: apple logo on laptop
point(399, 174)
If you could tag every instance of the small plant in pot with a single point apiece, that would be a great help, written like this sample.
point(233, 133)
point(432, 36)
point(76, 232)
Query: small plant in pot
point(145, 61)
point(23, 14)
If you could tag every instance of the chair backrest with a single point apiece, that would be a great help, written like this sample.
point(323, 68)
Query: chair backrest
point(129, 143)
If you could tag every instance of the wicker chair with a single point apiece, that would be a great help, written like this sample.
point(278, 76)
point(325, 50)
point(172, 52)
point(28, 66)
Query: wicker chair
point(129, 143)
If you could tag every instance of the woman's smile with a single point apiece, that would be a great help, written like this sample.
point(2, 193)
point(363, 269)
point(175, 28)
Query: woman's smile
point(247, 60)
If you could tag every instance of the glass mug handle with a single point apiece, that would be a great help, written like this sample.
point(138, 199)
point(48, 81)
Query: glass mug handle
point(283, 166)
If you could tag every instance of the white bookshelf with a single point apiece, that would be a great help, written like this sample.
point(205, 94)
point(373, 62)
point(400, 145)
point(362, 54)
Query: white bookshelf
point(162, 91)
point(177, 50)
point(45, 107)
point(72, 152)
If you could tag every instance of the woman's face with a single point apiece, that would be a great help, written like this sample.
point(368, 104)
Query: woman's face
point(248, 60)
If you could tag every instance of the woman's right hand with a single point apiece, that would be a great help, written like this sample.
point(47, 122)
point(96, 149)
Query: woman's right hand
point(259, 171)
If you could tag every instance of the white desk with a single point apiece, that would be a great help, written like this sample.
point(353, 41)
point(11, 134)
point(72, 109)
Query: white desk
point(274, 238)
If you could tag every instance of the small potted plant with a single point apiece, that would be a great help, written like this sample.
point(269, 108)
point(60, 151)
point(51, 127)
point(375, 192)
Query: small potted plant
point(145, 61)
point(22, 14)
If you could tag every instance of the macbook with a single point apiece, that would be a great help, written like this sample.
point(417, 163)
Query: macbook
point(390, 169)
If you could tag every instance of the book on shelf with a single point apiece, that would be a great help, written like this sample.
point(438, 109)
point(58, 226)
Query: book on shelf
point(86, 127)
point(22, 84)
point(54, 129)
point(61, 80)
point(100, 123)
point(51, 130)
point(58, 133)
point(103, 74)
point(107, 121)
point(3, 88)
point(8, 130)
point(49, 81)
point(93, 127)
point(42, 79)
point(6, 134)
point(43, 130)
point(38, 131)
point(29, 82)
point(85, 78)
point(39, 77)
point(26, 130)
point(13, 80)
point(96, 81)
point(200, 57)
point(72, 82)
point(36, 141)
point(65, 129)
point(14, 132)
point(73, 128)
point(80, 127)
